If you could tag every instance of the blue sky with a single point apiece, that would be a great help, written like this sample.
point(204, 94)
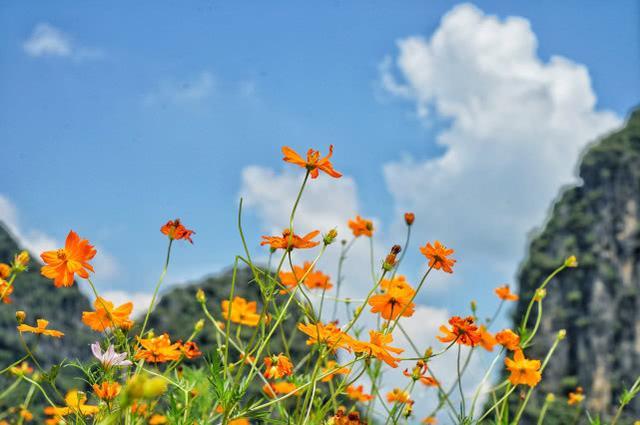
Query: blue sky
point(153, 110)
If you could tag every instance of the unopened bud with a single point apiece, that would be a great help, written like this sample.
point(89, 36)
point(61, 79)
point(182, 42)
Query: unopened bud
point(199, 325)
point(562, 334)
point(540, 294)
point(21, 316)
point(201, 297)
point(21, 261)
point(550, 398)
point(396, 249)
point(571, 261)
point(330, 237)
point(428, 353)
point(409, 217)
point(154, 387)
point(474, 306)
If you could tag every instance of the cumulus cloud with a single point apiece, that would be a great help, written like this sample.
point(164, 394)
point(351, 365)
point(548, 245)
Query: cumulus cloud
point(187, 90)
point(36, 241)
point(47, 40)
point(517, 125)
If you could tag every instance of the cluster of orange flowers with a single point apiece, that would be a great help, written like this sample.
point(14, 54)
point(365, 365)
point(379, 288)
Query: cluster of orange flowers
point(392, 299)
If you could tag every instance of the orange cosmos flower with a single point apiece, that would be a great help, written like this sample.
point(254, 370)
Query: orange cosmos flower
point(398, 281)
point(5, 291)
point(576, 397)
point(239, 421)
point(398, 396)
point(175, 230)
point(62, 264)
point(313, 162)
point(289, 242)
point(419, 373)
point(504, 293)
point(277, 367)
point(431, 420)
point(328, 334)
point(393, 302)
point(508, 339)
point(273, 389)
point(361, 227)
point(318, 280)
point(487, 341)
point(290, 279)
point(437, 255)
point(357, 394)
point(463, 331)
point(333, 370)
point(106, 316)
point(378, 347)
point(158, 349)
point(523, 371)
point(41, 328)
point(106, 390)
point(242, 312)
point(190, 349)
point(75, 405)
point(5, 270)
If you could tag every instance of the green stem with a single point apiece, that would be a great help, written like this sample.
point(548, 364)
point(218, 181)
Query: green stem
point(157, 288)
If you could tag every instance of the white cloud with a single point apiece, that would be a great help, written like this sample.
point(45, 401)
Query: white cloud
point(187, 90)
point(517, 127)
point(36, 241)
point(47, 40)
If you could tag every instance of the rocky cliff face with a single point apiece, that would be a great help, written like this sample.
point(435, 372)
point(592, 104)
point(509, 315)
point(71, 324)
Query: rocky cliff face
point(599, 302)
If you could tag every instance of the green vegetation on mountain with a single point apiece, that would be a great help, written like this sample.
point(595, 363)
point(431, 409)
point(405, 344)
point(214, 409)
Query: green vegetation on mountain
point(598, 303)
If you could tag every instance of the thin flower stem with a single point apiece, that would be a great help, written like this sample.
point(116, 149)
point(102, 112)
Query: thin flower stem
point(364, 304)
point(402, 253)
point(459, 379)
point(525, 319)
point(497, 403)
point(484, 379)
point(343, 256)
point(157, 288)
point(371, 257)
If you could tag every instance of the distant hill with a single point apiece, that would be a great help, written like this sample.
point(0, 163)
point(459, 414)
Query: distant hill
point(599, 302)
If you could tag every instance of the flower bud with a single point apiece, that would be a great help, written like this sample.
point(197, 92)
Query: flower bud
point(154, 387)
point(562, 334)
point(571, 261)
point(199, 325)
point(409, 217)
point(540, 294)
point(330, 236)
point(474, 306)
point(201, 297)
point(21, 261)
point(135, 387)
point(21, 316)
point(550, 398)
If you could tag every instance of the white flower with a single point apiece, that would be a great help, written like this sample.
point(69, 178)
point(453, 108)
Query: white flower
point(109, 358)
